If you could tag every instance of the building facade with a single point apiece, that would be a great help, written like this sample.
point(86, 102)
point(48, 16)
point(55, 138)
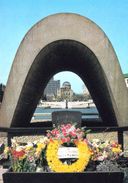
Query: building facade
point(51, 89)
point(126, 79)
point(65, 92)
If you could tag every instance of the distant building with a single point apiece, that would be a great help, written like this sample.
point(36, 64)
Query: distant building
point(65, 92)
point(126, 79)
point(51, 89)
point(85, 91)
point(2, 88)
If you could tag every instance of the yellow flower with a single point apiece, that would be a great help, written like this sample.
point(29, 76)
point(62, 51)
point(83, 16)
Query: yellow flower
point(6, 150)
point(116, 150)
point(40, 147)
point(22, 157)
point(28, 147)
point(57, 166)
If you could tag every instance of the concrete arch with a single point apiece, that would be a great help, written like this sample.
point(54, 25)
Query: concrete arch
point(57, 37)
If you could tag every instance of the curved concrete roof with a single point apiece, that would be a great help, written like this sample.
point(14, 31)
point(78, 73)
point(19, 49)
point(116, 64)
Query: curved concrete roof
point(43, 52)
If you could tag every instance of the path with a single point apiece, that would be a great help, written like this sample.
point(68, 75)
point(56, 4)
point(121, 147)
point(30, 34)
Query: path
point(1, 172)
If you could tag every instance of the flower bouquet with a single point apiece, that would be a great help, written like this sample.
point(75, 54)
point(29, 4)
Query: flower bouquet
point(77, 154)
point(65, 149)
point(26, 157)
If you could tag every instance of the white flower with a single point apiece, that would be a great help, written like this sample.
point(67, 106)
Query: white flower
point(43, 140)
point(71, 129)
point(39, 169)
point(30, 144)
point(14, 143)
point(19, 148)
point(100, 158)
point(35, 142)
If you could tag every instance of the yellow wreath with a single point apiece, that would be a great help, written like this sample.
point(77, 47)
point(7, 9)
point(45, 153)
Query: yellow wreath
point(56, 165)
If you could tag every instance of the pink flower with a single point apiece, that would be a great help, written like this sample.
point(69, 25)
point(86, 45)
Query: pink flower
point(55, 132)
point(64, 140)
point(72, 133)
point(68, 139)
point(86, 141)
point(68, 125)
point(48, 134)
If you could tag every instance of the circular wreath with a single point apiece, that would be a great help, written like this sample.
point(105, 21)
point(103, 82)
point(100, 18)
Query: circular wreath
point(57, 165)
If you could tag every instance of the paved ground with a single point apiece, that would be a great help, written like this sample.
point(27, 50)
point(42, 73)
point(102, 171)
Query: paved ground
point(1, 172)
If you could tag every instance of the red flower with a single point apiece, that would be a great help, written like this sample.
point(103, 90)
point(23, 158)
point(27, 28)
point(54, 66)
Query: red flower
point(115, 144)
point(51, 140)
point(18, 154)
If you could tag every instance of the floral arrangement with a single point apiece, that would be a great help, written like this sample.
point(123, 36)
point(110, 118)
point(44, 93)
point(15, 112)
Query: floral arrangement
point(67, 133)
point(57, 165)
point(43, 156)
point(103, 150)
point(26, 157)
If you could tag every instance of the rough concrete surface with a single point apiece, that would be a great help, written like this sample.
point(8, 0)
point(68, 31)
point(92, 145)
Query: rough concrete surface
point(61, 27)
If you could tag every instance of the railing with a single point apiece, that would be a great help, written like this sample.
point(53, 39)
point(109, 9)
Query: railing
point(48, 114)
point(91, 114)
point(11, 132)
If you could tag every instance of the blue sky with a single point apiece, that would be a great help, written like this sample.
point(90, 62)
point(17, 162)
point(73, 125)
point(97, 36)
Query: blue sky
point(17, 17)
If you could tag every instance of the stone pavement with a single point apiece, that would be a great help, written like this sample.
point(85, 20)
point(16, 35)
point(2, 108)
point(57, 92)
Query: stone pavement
point(1, 172)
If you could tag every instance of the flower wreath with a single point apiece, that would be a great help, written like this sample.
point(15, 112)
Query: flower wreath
point(57, 165)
